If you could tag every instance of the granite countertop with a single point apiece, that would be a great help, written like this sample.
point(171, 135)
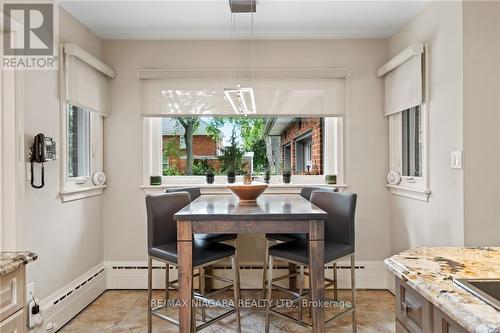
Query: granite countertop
point(430, 271)
point(12, 261)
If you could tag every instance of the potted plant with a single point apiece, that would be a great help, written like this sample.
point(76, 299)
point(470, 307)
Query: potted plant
point(231, 177)
point(331, 179)
point(210, 176)
point(287, 176)
point(267, 176)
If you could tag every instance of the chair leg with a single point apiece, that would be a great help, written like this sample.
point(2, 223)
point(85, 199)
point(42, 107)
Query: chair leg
point(150, 292)
point(264, 270)
point(167, 281)
point(201, 281)
point(269, 291)
point(335, 288)
point(193, 321)
point(353, 289)
point(301, 289)
point(309, 307)
point(236, 286)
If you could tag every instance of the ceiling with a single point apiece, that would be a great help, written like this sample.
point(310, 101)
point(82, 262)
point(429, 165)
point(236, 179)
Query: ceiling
point(211, 19)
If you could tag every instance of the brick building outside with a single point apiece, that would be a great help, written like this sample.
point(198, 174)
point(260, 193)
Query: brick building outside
point(204, 147)
point(302, 146)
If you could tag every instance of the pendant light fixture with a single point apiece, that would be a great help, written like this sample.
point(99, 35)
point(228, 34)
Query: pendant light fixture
point(242, 100)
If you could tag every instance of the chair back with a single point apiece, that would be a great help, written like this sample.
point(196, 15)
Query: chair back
point(194, 192)
point(341, 209)
point(307, 191)
point(160, 208)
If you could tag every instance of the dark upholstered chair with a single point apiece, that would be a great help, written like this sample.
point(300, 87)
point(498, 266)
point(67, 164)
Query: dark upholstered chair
point(280, 238)
point(339, 243)
point(195, 192)
point(162, 246)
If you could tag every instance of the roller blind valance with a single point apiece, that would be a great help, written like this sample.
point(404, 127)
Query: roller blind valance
point(404, 80)
point(291, 92)
point(86, 79)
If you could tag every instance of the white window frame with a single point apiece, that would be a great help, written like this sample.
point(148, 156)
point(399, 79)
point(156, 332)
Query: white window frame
point(12, 156)
point(333, 157)
point(76, 188)
point(411, 187)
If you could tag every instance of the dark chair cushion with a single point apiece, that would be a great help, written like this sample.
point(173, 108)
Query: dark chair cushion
point(194, 193)
point(306, 194)
point(285, 237)
point(216, 237)
point(341, 209)
point(298, 251)
point(307, 191)
point(160, 208)
point(203, 252)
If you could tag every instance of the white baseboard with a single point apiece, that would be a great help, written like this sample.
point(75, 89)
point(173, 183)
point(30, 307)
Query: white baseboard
point(133, 274)
point(67, 302)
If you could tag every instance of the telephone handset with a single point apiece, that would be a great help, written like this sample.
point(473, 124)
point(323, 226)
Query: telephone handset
point(42, 150)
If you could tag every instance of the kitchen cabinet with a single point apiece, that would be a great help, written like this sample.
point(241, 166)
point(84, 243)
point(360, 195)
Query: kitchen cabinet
point(415, 314)
point(12, 300)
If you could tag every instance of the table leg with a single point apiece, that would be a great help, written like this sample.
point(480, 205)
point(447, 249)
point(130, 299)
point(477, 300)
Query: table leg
point(292, 280)
point(317, 274)
point(185, 261)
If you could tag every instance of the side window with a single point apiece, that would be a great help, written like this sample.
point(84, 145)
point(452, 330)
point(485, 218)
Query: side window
point(78, 142)
point(412, 142)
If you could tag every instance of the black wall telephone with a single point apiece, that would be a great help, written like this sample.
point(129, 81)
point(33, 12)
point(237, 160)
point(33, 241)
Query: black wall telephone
point(42, 150)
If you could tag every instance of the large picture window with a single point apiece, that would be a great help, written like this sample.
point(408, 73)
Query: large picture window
point(295, 123)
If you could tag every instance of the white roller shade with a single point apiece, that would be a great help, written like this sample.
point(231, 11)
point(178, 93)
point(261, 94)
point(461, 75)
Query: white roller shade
point(86, 80)
point(404, 82)
point(277, 94)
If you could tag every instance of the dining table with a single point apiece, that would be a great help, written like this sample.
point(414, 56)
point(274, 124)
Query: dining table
point(271, 213)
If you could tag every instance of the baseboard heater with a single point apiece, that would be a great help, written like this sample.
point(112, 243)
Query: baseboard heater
point(130, 276)
point(60, 307)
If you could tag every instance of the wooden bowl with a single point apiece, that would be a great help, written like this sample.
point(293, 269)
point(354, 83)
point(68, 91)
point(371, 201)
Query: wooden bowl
point(247, 193)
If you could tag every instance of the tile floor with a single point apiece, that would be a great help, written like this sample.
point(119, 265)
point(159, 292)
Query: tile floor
point(125, 311)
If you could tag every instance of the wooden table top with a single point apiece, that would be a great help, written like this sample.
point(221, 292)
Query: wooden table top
point(268, 207)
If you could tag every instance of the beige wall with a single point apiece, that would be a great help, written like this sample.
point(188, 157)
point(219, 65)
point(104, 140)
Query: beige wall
point(367, 146)
point(440, 221)
point(481, 122)
point(66, 236)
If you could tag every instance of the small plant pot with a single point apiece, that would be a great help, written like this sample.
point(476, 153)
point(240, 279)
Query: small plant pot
point(210, 179)
point(231, 179)
point(331, 179)
point(267, 181)
point(287, 179)
point(155, 180)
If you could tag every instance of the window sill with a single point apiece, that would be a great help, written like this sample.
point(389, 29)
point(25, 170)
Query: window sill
point(408, 192)
point(274, 188)
point(81, 193)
